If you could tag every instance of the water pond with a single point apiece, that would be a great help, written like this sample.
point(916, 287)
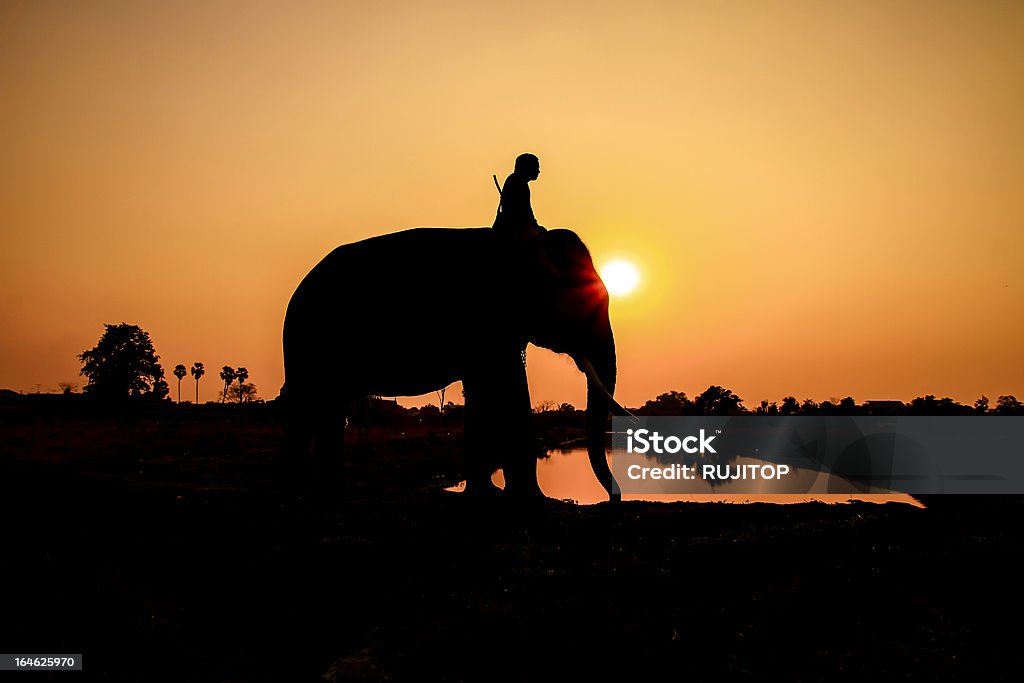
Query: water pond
point(566, 475)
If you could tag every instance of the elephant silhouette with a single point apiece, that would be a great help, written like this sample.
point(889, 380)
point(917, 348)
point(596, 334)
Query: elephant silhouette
point(368, 320)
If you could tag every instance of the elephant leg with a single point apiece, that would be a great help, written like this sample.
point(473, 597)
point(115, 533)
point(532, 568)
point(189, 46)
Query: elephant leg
point(499, 424)
point(311, 454)
point(293, 462)
point(361, 414)
point(517, 418)
point(481, 459)
point(328, 448)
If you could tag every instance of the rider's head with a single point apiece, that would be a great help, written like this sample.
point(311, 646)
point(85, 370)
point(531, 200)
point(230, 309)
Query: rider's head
point(528, 165)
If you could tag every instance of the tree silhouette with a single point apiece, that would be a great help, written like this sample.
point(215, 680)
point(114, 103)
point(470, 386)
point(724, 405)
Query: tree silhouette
point(198, 371)
point(123, 364)
point(227, 374)
point(180, 372)
point(808, 407)
point(718, 401)
point(1009, 405)
point(929, 405)
point(790, 406)
point(243, 392)
point(241, 374)
point(981, 405)
point(545, 406)
point(670, 403)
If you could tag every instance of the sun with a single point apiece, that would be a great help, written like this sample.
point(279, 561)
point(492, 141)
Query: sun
point(620, 277)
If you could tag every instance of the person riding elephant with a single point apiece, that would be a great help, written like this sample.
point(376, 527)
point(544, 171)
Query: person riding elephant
point(515, 222)
point(515, 219)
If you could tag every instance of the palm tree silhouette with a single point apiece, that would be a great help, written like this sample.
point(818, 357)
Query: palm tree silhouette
point(242, 374)
point(198, 371)
point(180, 372)
point(227, 373)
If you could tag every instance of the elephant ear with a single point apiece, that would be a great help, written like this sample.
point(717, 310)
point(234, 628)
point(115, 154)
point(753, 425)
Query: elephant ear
point(568, 255)
point(556, 260)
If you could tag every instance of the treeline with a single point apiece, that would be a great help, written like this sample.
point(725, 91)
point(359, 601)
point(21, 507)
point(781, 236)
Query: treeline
point(720, 401)
point(715, 400)
point(124, 365)
point(387, 412)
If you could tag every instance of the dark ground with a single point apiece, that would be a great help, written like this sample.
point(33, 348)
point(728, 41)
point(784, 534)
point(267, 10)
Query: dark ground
point(157, 547)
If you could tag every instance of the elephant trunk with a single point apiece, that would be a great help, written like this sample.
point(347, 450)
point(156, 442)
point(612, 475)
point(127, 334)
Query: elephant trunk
point(600, 371)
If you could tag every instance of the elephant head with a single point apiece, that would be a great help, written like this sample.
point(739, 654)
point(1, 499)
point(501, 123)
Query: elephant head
point(572, 318)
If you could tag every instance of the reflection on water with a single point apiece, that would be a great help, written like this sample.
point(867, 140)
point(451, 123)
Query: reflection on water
point(566, 475)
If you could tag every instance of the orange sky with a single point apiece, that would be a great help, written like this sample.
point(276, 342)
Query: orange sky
point(822, 198)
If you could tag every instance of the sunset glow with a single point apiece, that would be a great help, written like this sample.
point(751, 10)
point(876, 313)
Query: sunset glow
point(828, 194)
point(620, 277)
